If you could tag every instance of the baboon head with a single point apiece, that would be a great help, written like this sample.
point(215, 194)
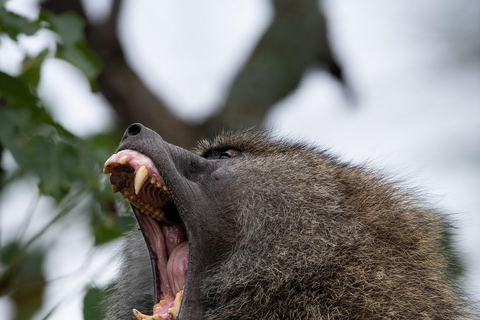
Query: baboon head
point(248, 228)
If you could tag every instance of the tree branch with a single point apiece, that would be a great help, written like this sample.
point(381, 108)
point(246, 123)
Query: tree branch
point(296, 40)
point(127, 94)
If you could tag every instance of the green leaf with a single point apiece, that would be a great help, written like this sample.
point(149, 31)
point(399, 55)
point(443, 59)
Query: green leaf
point(13, 25)
point(68, 26)
point(38, 148)
point(11, 135)
point(17, 90)
point(109, 226)
point(92, 309)
point(31, 68)
point(23, 280)
point(55, 164)
point(81, 57)
point(102, 146)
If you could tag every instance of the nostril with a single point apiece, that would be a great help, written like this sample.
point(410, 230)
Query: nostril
point(134, 129)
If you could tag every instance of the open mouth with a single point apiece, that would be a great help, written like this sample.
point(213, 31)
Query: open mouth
point(135, 176)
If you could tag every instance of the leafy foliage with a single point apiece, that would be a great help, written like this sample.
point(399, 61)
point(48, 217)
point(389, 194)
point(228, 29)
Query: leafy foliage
point(24, 281)
point(73, 47)
point(67, 168)
point(13, 25)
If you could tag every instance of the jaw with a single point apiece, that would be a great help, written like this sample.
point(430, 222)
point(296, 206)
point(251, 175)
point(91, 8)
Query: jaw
point(174, 259)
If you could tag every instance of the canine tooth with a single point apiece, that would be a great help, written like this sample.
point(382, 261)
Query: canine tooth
point(139, 315)
point(140, 177)
point(123, 159)
point(173, 312)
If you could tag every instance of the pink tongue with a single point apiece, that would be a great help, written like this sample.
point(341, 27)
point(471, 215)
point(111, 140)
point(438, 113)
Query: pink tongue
point(177, 267)
point(177, 249)
point(174, 235)
point(168, 240)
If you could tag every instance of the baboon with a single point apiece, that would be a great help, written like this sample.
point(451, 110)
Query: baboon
point(246, 227)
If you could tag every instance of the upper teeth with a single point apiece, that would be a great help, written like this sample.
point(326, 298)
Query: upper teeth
point(123, 159)
point(140, 177)
point(145, 170)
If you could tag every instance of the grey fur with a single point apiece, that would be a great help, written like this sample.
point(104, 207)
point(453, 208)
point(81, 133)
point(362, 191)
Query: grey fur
point(134, 286)
point(311, 238)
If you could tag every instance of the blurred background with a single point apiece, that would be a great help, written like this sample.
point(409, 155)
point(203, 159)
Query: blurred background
point(395, 85)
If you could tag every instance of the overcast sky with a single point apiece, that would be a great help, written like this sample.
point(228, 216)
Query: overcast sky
point(414, 66)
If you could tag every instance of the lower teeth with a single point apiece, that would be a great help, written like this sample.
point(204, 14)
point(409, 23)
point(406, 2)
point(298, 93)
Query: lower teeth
point(171, 312)
point(147, 209)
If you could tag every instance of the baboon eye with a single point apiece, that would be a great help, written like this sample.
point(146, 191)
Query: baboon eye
point(223, 154)
point(230, 153)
